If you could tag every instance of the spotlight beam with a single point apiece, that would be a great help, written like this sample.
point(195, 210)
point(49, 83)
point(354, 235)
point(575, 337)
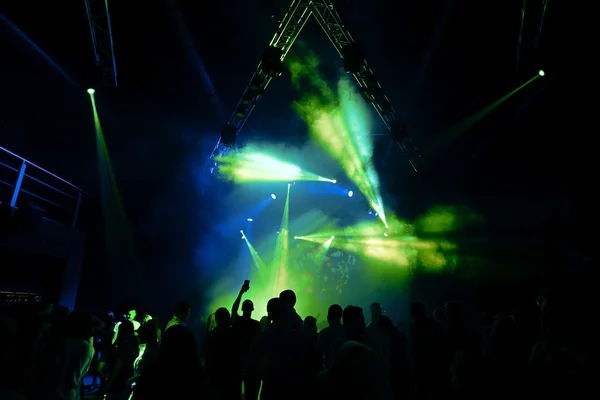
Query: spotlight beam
point(270, 66)
point(258, 262)
point(252, 166)
point(281, 255)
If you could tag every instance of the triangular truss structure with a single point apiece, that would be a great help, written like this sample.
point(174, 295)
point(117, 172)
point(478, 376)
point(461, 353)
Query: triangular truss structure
point(271, 65)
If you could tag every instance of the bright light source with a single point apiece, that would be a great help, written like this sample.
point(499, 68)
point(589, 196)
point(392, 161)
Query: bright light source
point(295, 237)
point(331, 238)
point(91, 91)
point(273, 196)
point(350, 193)
point(250, 220)
point(385, 234)
point(541, 72)
point(334, 181)
point(289, 184)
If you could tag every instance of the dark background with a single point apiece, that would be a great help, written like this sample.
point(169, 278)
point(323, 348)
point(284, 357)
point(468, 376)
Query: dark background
point(528, 167)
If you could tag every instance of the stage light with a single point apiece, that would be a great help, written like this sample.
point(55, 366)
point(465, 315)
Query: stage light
point(354, 57)
point(350, 193)
point(240, 112)
point(295, 237)
point(249, 98)
point(273, 196)
point(289, 184)
point(398, 131)
point(91, 91)
point(229, 135)
point(541, 72)
point(271, 63)
point(256, 83)
point(385, 234)
point(250, 220)
point(243, 236)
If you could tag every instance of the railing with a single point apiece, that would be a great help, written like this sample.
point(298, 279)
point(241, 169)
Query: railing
point(19, 297)
point(22, 181)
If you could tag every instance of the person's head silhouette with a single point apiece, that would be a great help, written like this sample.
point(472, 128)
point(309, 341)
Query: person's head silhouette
point(289, 298)
point(222, 317)
point(334, 314)
point(247, 308)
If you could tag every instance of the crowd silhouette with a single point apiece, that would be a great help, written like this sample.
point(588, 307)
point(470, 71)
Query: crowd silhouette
point(548, 349)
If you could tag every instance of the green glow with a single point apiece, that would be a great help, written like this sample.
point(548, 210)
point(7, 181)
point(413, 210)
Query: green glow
point(438, 220)
point(384, 261)
point(282, 266)
point(258, 261)
point(281, 258)
point(120, 249)
point(541, 72)
point(91, 91)
point(253, 166)
point(398, 245)
point(339, 122)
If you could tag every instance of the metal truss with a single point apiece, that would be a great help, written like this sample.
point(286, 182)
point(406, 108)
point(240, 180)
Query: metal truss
point(533, 14)
point(288, 30)
point(102, 40)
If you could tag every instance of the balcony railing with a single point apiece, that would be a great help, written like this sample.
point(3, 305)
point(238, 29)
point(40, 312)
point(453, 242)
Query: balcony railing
point(22, 182)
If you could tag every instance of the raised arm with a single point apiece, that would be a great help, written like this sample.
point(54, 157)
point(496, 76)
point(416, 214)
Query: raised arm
point(236, 304)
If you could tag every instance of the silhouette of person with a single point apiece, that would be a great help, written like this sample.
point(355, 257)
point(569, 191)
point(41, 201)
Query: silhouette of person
point(291, 316)
point(246, 330)
point(221, 357)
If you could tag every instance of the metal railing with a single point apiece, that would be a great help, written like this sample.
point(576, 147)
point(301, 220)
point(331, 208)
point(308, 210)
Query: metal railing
point(27, 181)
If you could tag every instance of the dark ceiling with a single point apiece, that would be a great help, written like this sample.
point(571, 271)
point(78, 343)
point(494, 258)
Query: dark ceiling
point(439, 60)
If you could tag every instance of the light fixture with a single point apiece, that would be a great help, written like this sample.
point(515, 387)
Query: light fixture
point(229, 135)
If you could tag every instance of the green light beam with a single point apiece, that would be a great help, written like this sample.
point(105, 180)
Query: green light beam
point(467, 123)
point(253, 166)
point(258, 261)
point(281, 254)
